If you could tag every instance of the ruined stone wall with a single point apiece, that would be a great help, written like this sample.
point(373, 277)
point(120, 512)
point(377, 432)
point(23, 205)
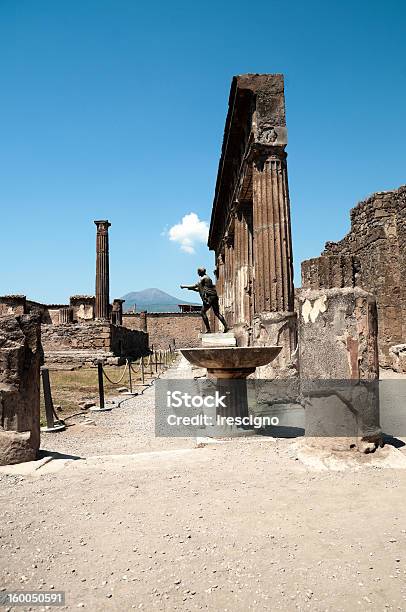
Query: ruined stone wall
point(72, 336)
point(401, 232)
point(20, 360)
point(94, 336)
point(165, 327)
point(377, 239)
point(13, 304)
point(329, 271)
point(128, 342)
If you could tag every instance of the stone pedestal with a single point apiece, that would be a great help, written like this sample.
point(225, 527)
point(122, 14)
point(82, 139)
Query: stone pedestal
point(20, 357)
point(339, 368)
point(228, 368)
point(218, 339)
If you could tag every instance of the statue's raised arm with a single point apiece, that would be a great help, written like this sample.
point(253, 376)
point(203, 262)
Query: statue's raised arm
point(190, 287)
point(209, 296)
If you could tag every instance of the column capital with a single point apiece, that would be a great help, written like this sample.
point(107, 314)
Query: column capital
point(261, 153)
point(102, 225)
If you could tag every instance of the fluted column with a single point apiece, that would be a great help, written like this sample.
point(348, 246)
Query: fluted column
point(242, 269)
point(220, 286)
point(272, 232)
point(102, 306)
point(65, 315)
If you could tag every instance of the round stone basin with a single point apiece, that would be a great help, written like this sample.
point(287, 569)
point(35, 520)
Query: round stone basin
point(225, 362)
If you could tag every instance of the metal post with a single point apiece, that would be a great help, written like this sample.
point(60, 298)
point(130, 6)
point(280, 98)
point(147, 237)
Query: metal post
point(130, 381)
point(49, 405)
point(142, 369)
point(156, 362)
point(101, 384)
point(129, 377)
point(102, 407)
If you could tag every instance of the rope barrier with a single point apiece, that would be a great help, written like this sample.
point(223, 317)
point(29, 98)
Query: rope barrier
point(161, 361)
point(120, 379)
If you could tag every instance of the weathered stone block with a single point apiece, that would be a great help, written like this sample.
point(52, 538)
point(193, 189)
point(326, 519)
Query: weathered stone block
point(277, 329)
point(20, 360)
point(339, 366)
point(338, 334)
point(218, 339)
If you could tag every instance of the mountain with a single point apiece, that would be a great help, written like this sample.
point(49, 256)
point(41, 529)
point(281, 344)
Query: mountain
point(153, 300)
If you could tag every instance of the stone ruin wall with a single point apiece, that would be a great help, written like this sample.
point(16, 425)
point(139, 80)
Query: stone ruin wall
point(371, 256)
point(95, 336)
point(81, 308)
point(76, 336)
point(128, 342)
point(166, 327)
point(69, 331)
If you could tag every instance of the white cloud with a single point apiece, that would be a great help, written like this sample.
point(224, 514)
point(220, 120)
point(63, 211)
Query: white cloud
point(190, 231)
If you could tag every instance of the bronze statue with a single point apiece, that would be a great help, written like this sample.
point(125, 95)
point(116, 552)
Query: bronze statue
point(208, 293)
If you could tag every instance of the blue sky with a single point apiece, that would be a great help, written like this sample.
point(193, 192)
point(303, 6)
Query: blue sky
point(115, 109)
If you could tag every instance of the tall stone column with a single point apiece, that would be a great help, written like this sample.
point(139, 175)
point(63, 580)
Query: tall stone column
point(272, 232)
point(242, 277)
point(229, 280)
point(275, 321)
point(102, 306)
point(242, 269)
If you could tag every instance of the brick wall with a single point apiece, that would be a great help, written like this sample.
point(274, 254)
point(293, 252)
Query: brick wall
point(166, 327)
